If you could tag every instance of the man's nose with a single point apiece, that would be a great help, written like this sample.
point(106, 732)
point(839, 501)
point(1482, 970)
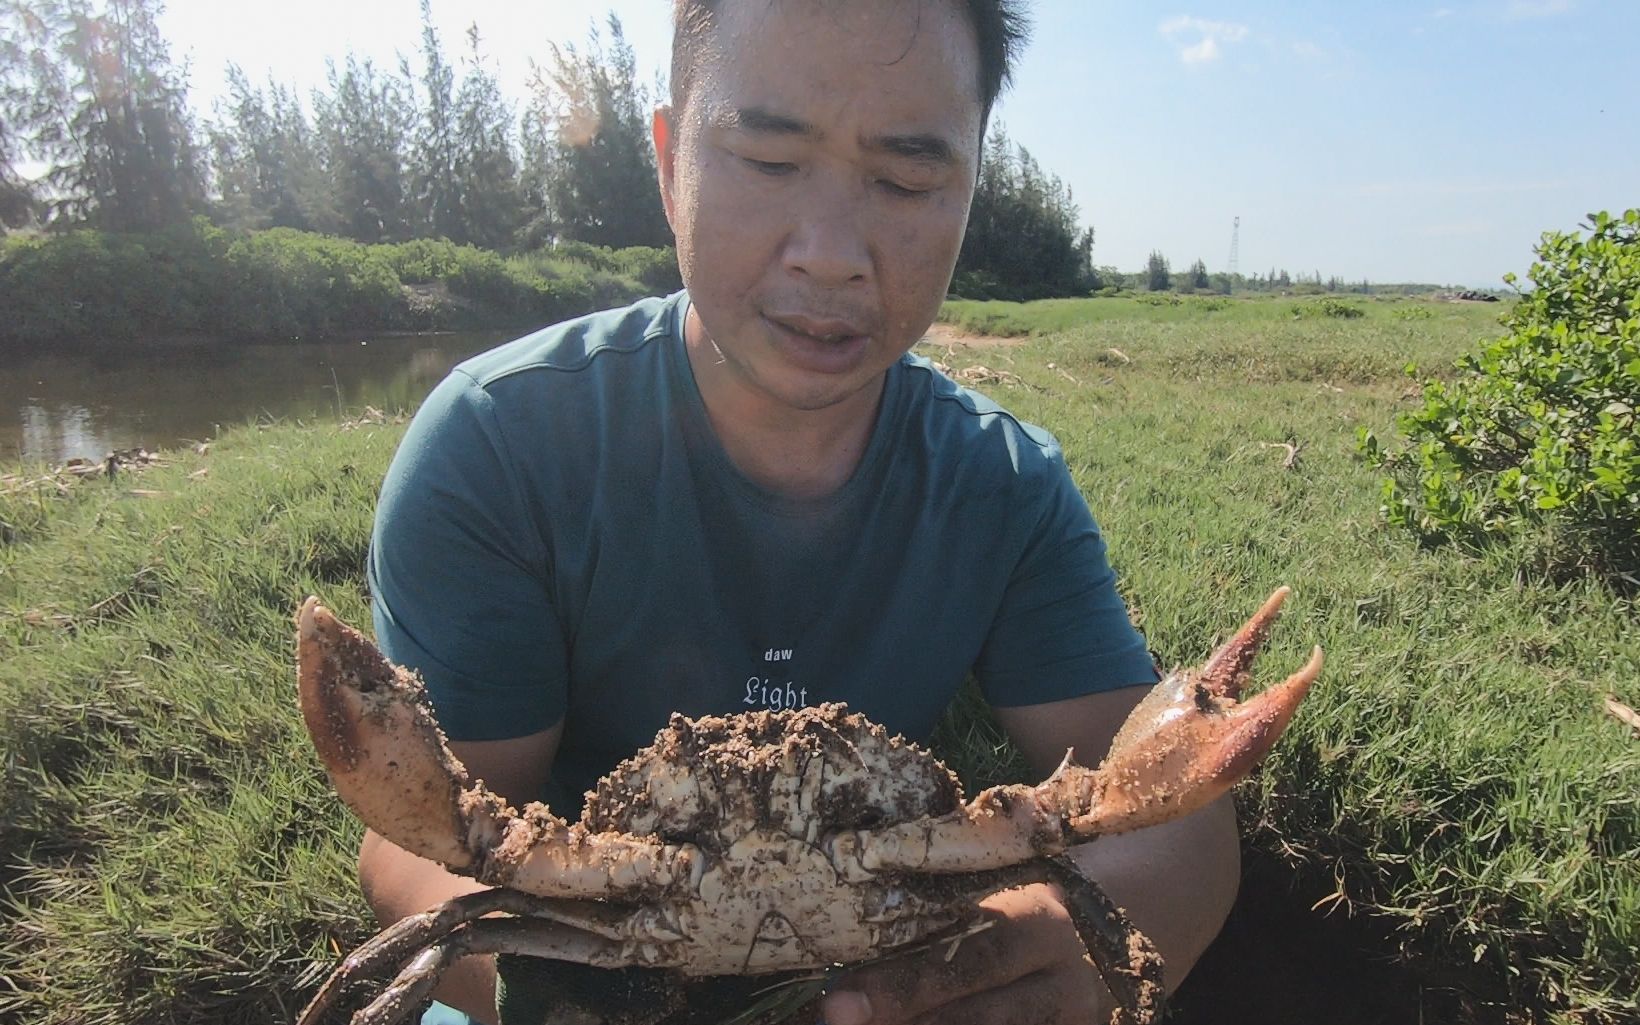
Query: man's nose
point(828, 243)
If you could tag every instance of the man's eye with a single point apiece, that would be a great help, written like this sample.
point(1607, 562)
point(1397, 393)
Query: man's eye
point(894, 188)
point(772, 168)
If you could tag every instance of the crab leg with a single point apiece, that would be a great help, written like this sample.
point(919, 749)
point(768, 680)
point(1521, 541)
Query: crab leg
point(1126, 959)
point(388, 760)
point(413, 984)
point(1184, 745)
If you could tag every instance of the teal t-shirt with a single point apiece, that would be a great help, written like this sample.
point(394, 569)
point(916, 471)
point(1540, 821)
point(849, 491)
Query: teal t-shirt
point(561, 537)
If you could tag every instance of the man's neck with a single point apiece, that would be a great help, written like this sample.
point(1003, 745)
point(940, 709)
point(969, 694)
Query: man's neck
point(801, 454)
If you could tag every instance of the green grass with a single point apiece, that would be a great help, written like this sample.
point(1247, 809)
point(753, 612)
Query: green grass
point(1455, 769)
point(172, 852)
point(1210, 313)
point(175, 856)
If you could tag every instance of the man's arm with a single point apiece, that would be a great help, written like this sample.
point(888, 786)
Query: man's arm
point(398, 884)
point(1177, 882)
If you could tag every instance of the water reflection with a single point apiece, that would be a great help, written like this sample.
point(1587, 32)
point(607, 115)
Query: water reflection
point(89, 402)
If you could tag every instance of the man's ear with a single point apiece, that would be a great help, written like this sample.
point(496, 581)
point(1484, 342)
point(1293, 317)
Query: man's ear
point(662, 128)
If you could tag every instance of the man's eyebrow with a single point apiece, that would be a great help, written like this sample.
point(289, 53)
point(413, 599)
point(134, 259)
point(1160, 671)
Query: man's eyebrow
point(928, 149)
point(924, 147)
point(762, 121)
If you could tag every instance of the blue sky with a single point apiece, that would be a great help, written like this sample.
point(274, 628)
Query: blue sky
point(1390, 141)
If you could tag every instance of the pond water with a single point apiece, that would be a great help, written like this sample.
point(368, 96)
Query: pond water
point(90, 400)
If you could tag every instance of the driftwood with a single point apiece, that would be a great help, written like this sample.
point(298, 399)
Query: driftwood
point(62, 477)
point(1623, 714)
point(1291, 448)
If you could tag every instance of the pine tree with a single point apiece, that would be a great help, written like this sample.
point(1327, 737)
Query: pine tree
point(1024, 238)
point(106, 111)
point(1198, 275)
point(1157, 276)
point(364, 125)
point(267, 173)
point(434, 191)
point(589, 158)
point(486, 168)
point(16, 198)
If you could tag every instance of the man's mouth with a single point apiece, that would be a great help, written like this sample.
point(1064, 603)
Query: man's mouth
point(821, 344)
point(827, 330)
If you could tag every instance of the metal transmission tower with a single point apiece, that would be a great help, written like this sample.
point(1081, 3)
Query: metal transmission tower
point(1235, 246)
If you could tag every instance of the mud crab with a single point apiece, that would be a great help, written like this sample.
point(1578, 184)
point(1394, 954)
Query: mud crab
point(763, 841)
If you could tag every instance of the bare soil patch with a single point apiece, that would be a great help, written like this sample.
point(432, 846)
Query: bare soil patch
point(1281, 962)
point(949, 335)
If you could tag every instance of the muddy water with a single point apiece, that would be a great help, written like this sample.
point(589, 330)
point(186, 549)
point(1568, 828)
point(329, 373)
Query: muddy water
point(91, 399)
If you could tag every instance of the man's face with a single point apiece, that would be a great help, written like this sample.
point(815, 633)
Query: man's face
point(818, 180)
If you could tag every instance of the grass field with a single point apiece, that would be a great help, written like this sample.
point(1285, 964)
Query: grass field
point(171, 851)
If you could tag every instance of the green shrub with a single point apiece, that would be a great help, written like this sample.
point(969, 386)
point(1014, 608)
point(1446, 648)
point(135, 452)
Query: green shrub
point(1536, 436)
point(1329, 307)
point(95, 284)
point(88, 285)
point(654, 268)
point(979, 285)
point(424, 260)
point(291, 284)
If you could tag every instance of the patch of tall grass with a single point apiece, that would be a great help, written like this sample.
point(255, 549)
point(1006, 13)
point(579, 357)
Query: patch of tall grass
point(1455, 772)
point(175, 854)
point(171, 854)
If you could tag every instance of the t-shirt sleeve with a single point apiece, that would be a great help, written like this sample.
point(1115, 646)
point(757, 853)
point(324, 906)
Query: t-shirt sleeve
point(459, 576)
point(1062, 630)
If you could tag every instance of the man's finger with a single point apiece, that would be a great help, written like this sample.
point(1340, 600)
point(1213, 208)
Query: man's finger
point(1041, 998)
point(1031, 932)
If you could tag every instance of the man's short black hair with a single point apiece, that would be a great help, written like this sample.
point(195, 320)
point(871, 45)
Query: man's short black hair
point(999, 26)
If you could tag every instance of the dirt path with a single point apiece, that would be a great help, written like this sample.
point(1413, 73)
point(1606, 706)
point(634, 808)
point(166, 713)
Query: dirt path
point(947, 335)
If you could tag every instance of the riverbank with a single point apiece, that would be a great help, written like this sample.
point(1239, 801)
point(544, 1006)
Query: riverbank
point(198, 280)
point(174, 852)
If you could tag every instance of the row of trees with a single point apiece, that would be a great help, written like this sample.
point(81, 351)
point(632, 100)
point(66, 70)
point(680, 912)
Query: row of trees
point(1158, 276)
point(1025, 237)
point(431, 148)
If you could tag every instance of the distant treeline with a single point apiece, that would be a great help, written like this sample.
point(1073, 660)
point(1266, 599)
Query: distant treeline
point(430, 149)
point(282, 284)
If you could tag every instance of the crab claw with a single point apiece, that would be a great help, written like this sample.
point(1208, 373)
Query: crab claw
point(378, 740)
point(1188, 741)
point(1183, 746)
point(387, 758)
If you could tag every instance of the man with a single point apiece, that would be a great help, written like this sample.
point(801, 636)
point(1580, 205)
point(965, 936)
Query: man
point(751, 497)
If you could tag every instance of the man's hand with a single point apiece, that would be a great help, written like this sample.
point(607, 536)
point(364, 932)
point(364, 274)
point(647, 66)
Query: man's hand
point(1029, 968)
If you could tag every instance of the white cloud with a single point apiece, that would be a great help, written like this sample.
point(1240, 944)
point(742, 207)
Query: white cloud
point(1202, 52)
point(1200, 41)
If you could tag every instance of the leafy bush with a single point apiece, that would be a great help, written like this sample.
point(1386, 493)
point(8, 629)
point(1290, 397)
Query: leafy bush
point(94, 284)
point(654, 268)
point(288, 284)
point(283, 283)
point(424, 260)
point(1329, 307)
point(1536, 436)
